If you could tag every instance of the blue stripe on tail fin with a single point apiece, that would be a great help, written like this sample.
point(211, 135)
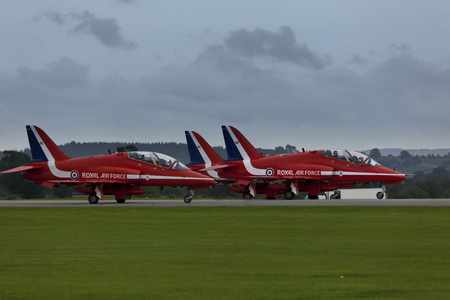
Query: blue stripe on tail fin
point(37, 154)
point(196, 157)
point(232, 150)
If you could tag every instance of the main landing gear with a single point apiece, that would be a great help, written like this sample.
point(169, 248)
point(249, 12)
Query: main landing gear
point(289, 195)
point(247, 196)
point(93, 199)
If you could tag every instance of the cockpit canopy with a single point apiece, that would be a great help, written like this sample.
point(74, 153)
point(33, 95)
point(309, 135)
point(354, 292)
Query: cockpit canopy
point(157, 159)
point(351, 156)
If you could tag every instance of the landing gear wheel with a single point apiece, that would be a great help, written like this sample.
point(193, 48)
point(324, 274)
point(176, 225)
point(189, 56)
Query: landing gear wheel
point(187, 199)
point(380, 195)
point(247, 196)
point(336, 195)
point(289, 195)
point(93, 199)
point(313, 197)
point(121, 200)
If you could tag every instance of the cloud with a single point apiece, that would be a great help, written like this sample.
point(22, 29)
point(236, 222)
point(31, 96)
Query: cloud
point(400, 47)
point(65, 73)
point(281, 45)
point(105, 30)
point(54, 17)
point(126, 1)
point(357, 60)
point(401, 101)
point(220, 58)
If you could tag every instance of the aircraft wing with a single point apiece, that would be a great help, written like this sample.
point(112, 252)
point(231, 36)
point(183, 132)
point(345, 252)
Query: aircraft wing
point(217, 167)
point(22, 168)
point(96, 181)
point(194, 168)
point(69, 182)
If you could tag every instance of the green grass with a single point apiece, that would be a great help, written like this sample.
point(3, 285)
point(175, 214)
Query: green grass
point(225, 253)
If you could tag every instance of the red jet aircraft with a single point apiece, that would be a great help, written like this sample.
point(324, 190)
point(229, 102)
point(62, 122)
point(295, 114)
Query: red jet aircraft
point(118, 174)
point(249, 172)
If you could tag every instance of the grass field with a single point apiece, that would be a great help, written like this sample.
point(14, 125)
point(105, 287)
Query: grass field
point(225, 253)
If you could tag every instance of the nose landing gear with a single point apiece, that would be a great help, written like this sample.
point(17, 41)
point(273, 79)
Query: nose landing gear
point(188, 197)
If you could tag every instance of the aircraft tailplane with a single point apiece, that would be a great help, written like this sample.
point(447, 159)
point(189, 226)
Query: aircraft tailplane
point(238, 147)
point(42, 147)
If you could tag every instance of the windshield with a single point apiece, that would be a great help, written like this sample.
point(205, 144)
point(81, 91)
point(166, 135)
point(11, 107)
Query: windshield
point(351, 156)
point(157, 159)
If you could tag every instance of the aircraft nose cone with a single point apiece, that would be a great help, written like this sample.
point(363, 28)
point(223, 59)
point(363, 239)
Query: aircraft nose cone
point(401, 176)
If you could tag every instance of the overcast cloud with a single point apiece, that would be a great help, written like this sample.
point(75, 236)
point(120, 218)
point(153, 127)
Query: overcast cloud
point(147, 71)
point(105, 30)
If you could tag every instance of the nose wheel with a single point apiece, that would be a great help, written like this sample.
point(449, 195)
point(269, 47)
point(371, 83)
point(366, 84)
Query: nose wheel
point(188, 197)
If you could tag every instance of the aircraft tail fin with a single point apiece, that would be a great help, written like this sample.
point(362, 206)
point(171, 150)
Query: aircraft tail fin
point(238, 147)
point(42, 147)
point(200, 151)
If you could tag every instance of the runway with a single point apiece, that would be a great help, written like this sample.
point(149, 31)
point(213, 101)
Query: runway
point(230, 203)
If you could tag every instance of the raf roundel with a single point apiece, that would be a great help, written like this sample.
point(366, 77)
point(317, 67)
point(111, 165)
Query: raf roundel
point(74, 175)
point(269, 172)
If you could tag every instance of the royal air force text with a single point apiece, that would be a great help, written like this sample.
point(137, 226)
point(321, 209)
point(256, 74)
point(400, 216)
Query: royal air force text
point(86, 175)
point(298, 173)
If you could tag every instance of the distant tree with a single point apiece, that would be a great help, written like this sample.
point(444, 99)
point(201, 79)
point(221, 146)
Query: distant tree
point(277, 150)
point(434, 188)
point(415, 161)
point(375, 153)
point(446, 188)
point(440, 173)
point(291, 149)
point(414, 192)
point(405, 154)
point(127, 148)
point(120, 149)
point(419, 175)
point(388, 161)
point(12, 159)
point(13, 184)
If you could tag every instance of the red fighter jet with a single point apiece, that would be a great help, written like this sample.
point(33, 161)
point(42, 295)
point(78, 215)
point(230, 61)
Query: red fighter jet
point(249, 172)
point(118, 174)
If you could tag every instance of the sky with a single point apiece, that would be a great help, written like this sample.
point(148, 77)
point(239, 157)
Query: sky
point(312, 74)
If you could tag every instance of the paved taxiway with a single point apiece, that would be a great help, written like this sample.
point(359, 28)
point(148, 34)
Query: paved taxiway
point(212, 203)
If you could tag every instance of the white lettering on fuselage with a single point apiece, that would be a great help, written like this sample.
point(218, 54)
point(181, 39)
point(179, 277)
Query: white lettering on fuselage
point(88, 175)
point(298, 173)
